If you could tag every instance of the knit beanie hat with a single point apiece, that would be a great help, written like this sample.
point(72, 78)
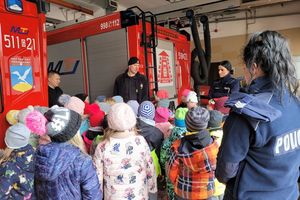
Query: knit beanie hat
point(41, 109)
point(185, 92)
point(180, 117)
point(96, 115)
point(23, 113)
point(118, 99)
point(134, 105)
point(12, 116)
point(162, 94)
point(133, 60)
point(215, 119)
point(81, 96)
point(192, 97)
point(161, 115)
point(76, 105)
point(63, 123)
point(163, 103)
point(105, 107)
point(197, 119)
point(63, 99)
point(17, 136)
point(121, 117)
point(146, 110)
point(101, 98)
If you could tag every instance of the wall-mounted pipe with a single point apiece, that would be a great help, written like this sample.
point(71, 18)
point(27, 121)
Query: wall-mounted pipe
point(199, 69)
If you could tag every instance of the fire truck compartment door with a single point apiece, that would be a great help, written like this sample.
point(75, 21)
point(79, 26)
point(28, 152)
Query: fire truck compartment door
point(166, 67)
point(107, 58)
point(67, 57)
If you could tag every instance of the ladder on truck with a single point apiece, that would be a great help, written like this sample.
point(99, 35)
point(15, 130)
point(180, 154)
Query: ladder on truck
point(149, 43)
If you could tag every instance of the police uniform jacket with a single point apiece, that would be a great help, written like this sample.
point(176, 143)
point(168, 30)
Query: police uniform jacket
point(259, 157)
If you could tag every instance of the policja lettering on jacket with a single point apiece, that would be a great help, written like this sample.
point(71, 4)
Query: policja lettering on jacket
point(287, 142)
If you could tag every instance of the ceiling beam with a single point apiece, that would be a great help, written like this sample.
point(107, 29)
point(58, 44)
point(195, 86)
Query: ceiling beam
point(72, 6)
point(177, 10)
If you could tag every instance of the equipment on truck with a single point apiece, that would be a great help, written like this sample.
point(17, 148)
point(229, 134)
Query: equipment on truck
point(23, 67)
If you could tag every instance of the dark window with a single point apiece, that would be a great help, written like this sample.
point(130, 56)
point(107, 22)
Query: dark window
point(14, 5)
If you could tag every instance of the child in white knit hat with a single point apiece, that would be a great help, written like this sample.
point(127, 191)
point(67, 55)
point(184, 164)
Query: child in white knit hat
point(123, 161)
point(192, 100)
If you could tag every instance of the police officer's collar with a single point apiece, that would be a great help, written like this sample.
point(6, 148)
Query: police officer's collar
point(259, 85)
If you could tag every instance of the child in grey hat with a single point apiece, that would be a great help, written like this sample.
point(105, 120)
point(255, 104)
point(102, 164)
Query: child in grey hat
point(17, 164)
point(193, 160)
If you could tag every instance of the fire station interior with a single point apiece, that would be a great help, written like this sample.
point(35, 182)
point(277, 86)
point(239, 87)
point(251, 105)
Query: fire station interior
point(180, 48)
point(230, 24)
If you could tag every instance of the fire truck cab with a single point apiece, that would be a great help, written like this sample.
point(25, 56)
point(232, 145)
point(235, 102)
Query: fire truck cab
point(23, 61)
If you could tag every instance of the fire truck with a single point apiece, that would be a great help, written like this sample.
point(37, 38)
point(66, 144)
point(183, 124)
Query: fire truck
point(89, 55)
point(23, 61)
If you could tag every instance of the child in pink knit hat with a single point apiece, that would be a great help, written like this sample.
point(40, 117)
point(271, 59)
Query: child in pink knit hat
point(161, 121)
point(184, 95)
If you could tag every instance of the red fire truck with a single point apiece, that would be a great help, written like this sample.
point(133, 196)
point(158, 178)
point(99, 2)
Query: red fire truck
point(91, 54)
point(23, 61)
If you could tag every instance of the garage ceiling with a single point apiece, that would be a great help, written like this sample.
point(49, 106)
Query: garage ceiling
point(170, 9)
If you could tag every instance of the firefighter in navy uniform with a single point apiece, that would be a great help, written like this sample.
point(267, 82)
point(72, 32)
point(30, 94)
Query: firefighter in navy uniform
point(132, 85)
point(259, 156)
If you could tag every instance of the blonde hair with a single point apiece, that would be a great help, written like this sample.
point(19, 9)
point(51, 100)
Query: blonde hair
point(77, 141)
point(108, 133)
point(6, 155)
point(110, 101)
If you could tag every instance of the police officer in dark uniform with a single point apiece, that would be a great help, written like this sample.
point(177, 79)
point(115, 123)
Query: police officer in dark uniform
point(132, 85)
point(259, 157)
point(226, 84)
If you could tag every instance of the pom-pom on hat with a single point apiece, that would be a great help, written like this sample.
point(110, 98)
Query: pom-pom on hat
point(63, 123)
point(133, 60)
point(121, 117)
point(180, 117)
point(17, 136)
point(36, 122)
point(146, 110)
point(196, 119)
point(192, 97)
point(185, 92)
point(161, 115)
point(12, 116)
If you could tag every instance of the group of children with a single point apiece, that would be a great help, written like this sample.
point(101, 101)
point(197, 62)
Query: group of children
point(112, 150)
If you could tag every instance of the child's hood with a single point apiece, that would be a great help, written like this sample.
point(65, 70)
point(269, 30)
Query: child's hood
point(53, 159)
point(198, 152)
point(24, 158)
